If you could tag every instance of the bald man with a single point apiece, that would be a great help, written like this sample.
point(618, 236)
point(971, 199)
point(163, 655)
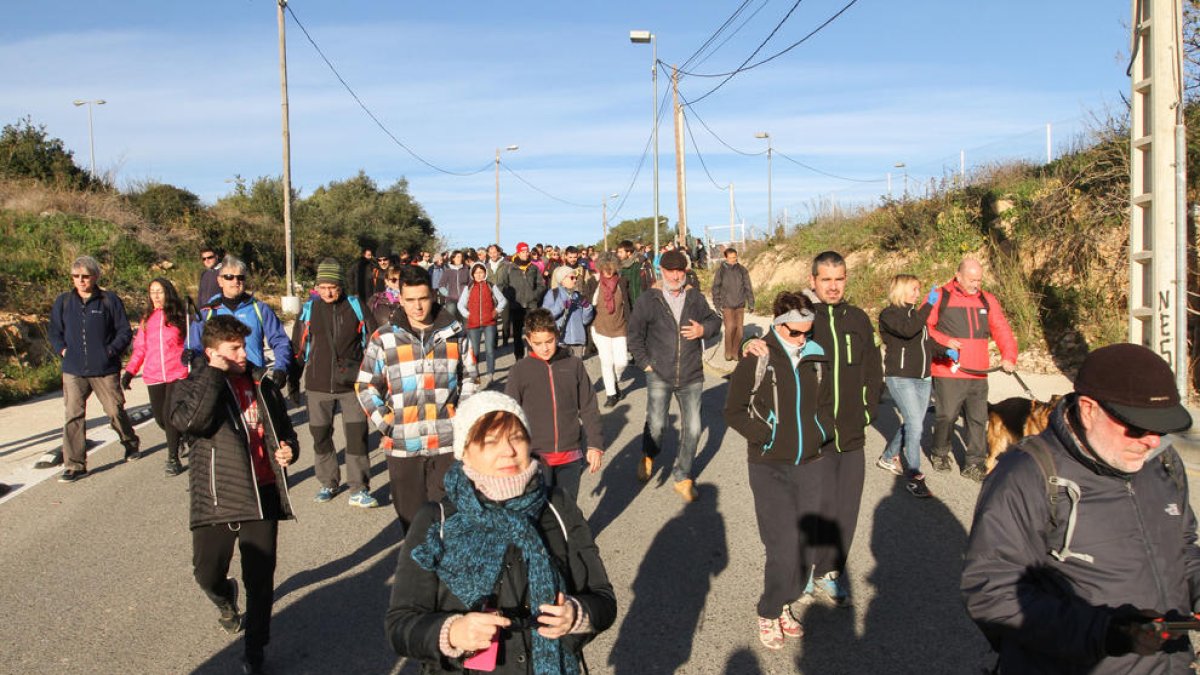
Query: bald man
point(964, 317)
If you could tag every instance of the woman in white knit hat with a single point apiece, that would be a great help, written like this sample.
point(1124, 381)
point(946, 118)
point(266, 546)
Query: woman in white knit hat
point(501, 575)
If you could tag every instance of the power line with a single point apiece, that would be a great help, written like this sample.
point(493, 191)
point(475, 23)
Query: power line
point(735, 32)
point(755, 52)
point(370, 114)
point(687, 125)
point(538, 189)
point(662, 105)
point(717, 32)
point(826, 173)
point(714, 134)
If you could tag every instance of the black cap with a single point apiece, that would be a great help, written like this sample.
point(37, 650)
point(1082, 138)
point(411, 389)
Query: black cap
point(1136, 386)
point(673, 260)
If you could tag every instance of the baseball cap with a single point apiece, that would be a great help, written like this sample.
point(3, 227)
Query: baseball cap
point(673, 260)
point(522, 246)
point(1134, 385)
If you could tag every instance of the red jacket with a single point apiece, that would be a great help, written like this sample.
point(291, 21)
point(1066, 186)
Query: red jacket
point(972, 320)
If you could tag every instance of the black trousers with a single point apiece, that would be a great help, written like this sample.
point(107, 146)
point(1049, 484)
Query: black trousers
point(160, 403)
point(212, 551)
point(970, 398)
point(841, 496)
point(416, 481)
point(516, 327)
point(565, 476)
point(787, 501)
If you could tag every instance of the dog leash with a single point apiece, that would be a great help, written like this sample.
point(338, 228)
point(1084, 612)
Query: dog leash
point(1015, 374)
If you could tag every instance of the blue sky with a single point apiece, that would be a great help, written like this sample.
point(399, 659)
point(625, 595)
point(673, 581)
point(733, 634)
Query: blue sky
point(193, 98)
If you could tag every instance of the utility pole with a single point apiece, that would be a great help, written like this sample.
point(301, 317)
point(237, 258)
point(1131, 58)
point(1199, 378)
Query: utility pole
point(680, 169)
point(290, 303)
point(731, 211)
point(1158, 234)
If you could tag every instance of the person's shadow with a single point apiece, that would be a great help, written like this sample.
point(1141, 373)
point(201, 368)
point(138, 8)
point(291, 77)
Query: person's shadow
point(669, 599)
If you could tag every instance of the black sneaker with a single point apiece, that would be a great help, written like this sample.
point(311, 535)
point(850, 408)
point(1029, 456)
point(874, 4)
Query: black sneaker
point(230, 619)
point(975, 472)
point(49, 460)
point(173, 468)
point(610, 401)
point(252, 666)
point(72, 475)
point(916, 486)
point(940, 463)
point(132, 455)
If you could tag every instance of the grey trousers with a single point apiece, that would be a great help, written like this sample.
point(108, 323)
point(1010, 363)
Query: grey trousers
point(76, 390)
point(321, 409)
point(970, 398)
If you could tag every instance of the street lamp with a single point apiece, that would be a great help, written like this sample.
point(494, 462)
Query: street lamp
point(902, 165)
point(604, 220)
point(642, 37)
point(770, 211)
point(91, 141)
point(509, 148)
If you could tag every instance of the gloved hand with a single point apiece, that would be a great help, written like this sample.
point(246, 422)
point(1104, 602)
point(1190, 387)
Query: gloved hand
point(952, 354)
point(279, 377)
point(126, 380)
point(1130, 630)
point(935, 294)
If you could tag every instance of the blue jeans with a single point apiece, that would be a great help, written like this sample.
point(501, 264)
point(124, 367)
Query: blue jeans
point(489, 337)
point(659, 400)
point(912, 398)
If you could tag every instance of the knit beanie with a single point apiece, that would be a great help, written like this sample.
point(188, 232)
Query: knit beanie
point(475, 407)
point(561, 272)
point(329, 271)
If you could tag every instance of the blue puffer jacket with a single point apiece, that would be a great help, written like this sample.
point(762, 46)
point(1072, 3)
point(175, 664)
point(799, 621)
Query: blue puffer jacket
point(264, 326)
point(93, 333)
point(572, 312)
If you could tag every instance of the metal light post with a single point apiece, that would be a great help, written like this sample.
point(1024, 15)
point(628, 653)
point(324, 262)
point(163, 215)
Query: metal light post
point(91, 138)
point(902, 165)
point(509, 148)
point(604, 217)
point(646, 37)
point(770, 211)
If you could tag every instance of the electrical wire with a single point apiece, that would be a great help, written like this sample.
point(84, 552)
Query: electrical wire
point(717, 32)
point(714, 134)
point(734, 33)
point(826, 173)
point(757, 49)
point(370, 114)
point(538, 189)
point(687, 125)
point(662, 106)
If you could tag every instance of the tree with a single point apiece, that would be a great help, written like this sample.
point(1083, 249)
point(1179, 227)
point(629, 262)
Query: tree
point(639, 229)
point(26, 151)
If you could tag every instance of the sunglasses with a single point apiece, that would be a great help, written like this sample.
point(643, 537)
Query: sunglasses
point(81, 276)
point(233, 277)
point(1131, 431)
point(792, 332)
point(208, 257)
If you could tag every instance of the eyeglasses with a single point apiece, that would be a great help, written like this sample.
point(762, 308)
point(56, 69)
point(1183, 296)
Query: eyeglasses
point(80, 276)
point(571, 277)
point(208, 257)
point(234, 277)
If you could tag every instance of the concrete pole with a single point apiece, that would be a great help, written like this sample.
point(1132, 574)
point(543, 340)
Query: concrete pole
point(731, 212)
point(290, 302)
point(680, 168)
point(91, 143)
point(1049, 156)
point(497, 240)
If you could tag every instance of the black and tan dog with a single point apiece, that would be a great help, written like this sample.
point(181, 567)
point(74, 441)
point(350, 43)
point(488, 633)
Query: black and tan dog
point(1011, 420)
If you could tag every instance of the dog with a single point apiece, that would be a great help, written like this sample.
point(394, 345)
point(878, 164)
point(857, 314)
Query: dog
point(1011, 420)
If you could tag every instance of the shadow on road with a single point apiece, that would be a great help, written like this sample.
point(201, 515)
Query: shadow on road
point(668, 606)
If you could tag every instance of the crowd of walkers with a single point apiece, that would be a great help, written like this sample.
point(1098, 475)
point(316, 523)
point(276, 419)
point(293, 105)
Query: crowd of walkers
point(498, 569)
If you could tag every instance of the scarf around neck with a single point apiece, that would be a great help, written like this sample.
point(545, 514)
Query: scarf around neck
point(467, 554)
point(608, 288)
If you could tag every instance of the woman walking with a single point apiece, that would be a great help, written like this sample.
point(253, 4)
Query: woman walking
point(781, 404)
point(158, 354)
point(501, 575)
point(906, 372)
point(480, 306)
point(382, 304)
point(613, 307)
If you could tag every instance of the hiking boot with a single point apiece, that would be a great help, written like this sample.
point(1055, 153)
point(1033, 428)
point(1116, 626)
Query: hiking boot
point(645, 467)
point(686, 489)
point(611, 400)
point(770, 634)
point(916, 486)
point(324, 494)
point(49, 460)
point(832, 589)
point(892, 465)
point(231, 620)
point(976, 472)
point(72, 475)
point(940, 463)
point(363, 500)
point(173, 467)
point(788, 624)
point(132, 455)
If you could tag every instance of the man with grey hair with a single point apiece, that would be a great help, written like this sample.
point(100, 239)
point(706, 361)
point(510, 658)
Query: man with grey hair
point(265, 327)
point(90, 330)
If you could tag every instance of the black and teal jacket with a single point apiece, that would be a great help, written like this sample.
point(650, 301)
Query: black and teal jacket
point(788, 417)
point(846, 333)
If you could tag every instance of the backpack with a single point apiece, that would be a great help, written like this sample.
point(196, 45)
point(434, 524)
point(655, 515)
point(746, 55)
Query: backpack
point(305, 347)
point(211, 309)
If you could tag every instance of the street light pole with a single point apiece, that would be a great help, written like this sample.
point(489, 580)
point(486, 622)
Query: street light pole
point(604, 217)
point(91, 138)
point(509, 148)
point(644, 37)
point(902, 165)
point(770, 210)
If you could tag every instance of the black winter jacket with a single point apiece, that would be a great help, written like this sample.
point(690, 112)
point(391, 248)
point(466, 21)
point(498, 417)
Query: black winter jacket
point(908, 349)
point(421, 603)
point(525, 287)
point(330, 348)
point(789, 417)
point(222, 482)
point(94, 333)
point(556, 395)
point(731, 287)
point(1133, 545)
point(654, 340)
point(848, 337)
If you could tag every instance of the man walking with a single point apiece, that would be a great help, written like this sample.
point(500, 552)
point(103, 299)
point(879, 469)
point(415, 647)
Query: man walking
point(630, 268)
point(732, 294)
point(414, 374)
point(497, 275)
point(329, 336)
point(666, 338)
point(1084, 538)
point(89, 330)
point(525, 290)
point(209, 288)
point(965, 317)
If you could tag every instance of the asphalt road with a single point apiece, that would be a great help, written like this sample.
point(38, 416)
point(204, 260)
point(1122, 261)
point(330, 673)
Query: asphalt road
point(95, 577)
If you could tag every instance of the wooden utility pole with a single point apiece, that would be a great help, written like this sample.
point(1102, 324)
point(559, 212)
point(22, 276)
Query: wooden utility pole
point(680, 170)
point(287, 167)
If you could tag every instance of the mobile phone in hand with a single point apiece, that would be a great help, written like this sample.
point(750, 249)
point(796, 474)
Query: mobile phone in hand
point(485, 661)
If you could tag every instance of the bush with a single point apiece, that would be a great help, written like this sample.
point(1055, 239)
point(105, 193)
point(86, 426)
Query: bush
point(26, 151)
point(162, 204)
